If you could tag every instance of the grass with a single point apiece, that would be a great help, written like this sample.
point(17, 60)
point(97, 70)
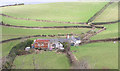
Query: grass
point(110, 14)
point(44, 60)
point(6, 47)
point(99, 55)
point(33, 23)
point(110, 32)
point(8, 32)
point(62, 11)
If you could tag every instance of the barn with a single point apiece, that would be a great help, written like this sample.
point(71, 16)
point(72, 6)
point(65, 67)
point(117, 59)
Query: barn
point(41, 44)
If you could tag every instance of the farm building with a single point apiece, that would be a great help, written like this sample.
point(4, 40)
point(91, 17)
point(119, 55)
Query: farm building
point(55, 43)
point(41, 44)
point(47, 44)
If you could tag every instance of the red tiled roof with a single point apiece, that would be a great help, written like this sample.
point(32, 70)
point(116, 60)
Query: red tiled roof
point(39, 40)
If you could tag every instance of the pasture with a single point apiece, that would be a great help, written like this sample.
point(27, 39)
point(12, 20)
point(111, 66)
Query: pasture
point(8, 32)
point(62, 11)
point(43, 60)
point(110, 32)
point(102, 55)
point(110, 14)
point(6, 47)
point(98, 55)
point(34, 23)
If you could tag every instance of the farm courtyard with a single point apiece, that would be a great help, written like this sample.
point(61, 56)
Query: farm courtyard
point(96, 23)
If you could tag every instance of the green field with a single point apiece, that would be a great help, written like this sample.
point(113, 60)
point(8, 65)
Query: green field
point(8, 32)
point(63, 11)
point(102, 55)
point(6, 47)
point(99, 55)
point(110, 14)
point(44, 60)
point(34, 23)
point(110, 32)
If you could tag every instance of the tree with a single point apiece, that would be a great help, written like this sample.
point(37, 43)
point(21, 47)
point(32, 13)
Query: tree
point(66, 46)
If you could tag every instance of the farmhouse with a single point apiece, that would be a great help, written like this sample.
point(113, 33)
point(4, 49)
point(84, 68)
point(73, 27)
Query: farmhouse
point(41, 44)
point(47, 44)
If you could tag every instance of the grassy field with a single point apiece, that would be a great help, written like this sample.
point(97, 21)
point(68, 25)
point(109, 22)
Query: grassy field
point(110, 14)
point(63, 11)
point(33, 23)
point(6, 47)
point(99, 55)
point(8, 32)
point(44, 60)
point(110, 32)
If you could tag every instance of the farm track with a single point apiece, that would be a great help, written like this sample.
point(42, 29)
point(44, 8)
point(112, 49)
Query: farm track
point(91, 35)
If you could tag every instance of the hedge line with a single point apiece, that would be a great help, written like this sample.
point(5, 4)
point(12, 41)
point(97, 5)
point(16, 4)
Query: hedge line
point(101, 23)
point(101, 40)
point(13, 53)
point(13, 5)
point(3, 24)
point(63, 22)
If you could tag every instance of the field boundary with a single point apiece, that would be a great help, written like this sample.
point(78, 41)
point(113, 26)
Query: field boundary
point(102, 40)
point(102, 23)
point(30, 27)
point(99, 12)
point(63, 22)
point(13, 5)
point(33, 36)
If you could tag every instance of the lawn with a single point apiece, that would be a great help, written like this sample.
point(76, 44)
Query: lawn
point(109, 14)
point(98, 55)
point(110, 32)
point(44, 60)
point(6, 47)
point(8, 32)
point(16, 22)
point(62, 11)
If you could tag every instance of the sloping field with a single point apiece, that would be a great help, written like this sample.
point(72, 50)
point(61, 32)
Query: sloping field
point(43, 60)
point(109, 14)
point(110, 32)
point(33, 23)
point(102, 55)
point(63, 11)
point(6, 47)
point(8, 32)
